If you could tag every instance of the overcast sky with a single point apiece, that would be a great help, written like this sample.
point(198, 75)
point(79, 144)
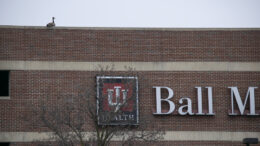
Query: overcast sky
point(132, 13)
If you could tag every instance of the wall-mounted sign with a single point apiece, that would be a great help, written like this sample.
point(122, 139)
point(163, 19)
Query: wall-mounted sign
point(117, 100)
point(185, 107)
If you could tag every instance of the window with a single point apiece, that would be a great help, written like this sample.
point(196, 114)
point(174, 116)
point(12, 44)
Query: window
point(4, 84)
point(4, 144)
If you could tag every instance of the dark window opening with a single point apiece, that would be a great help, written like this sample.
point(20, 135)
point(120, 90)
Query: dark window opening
point(4, 83)
point(4, 144)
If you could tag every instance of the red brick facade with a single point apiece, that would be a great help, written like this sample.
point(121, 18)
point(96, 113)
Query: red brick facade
point(78, 45)
point(129, 45)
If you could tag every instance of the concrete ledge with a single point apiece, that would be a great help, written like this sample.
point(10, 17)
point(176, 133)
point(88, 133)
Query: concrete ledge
point(4, 97)
point(208, 136)
point(169, 136)
point(137, 66)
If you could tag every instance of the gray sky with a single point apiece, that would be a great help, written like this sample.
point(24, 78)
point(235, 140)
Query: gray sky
point(132, 13)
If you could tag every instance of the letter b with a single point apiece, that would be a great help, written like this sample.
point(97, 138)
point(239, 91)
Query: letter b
point(159, 100)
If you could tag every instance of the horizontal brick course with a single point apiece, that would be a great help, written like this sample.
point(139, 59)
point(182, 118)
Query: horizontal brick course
point(169, 143)
point(129, 45)
point(27, 86)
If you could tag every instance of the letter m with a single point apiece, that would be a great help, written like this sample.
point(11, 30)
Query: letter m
point(241, 105)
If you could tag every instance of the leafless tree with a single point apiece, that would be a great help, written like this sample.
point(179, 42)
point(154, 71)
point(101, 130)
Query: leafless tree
point(69, 117)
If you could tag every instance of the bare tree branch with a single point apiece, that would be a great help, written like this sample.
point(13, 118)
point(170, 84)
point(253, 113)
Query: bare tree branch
point(69, 116)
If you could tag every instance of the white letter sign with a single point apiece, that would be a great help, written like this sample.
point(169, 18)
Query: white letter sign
point(241, 106)
point(159, 100)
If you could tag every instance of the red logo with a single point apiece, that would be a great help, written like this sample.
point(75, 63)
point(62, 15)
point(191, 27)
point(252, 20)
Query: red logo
point(117, 96)
point(117, 100)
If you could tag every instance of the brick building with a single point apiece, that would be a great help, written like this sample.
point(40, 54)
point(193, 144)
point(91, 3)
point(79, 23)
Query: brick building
point(42, 62)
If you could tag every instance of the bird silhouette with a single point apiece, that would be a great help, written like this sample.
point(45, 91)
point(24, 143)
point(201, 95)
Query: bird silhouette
point(51, 24)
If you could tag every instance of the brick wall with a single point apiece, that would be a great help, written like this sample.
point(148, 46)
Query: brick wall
point(169, 143)
point(128, 45)
point(132, 45)
point(29, 86)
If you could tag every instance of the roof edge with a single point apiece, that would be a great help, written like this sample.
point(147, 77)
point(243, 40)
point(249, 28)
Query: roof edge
point(129, 28)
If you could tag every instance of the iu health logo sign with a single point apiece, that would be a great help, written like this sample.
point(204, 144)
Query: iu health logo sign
point(117, 100)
